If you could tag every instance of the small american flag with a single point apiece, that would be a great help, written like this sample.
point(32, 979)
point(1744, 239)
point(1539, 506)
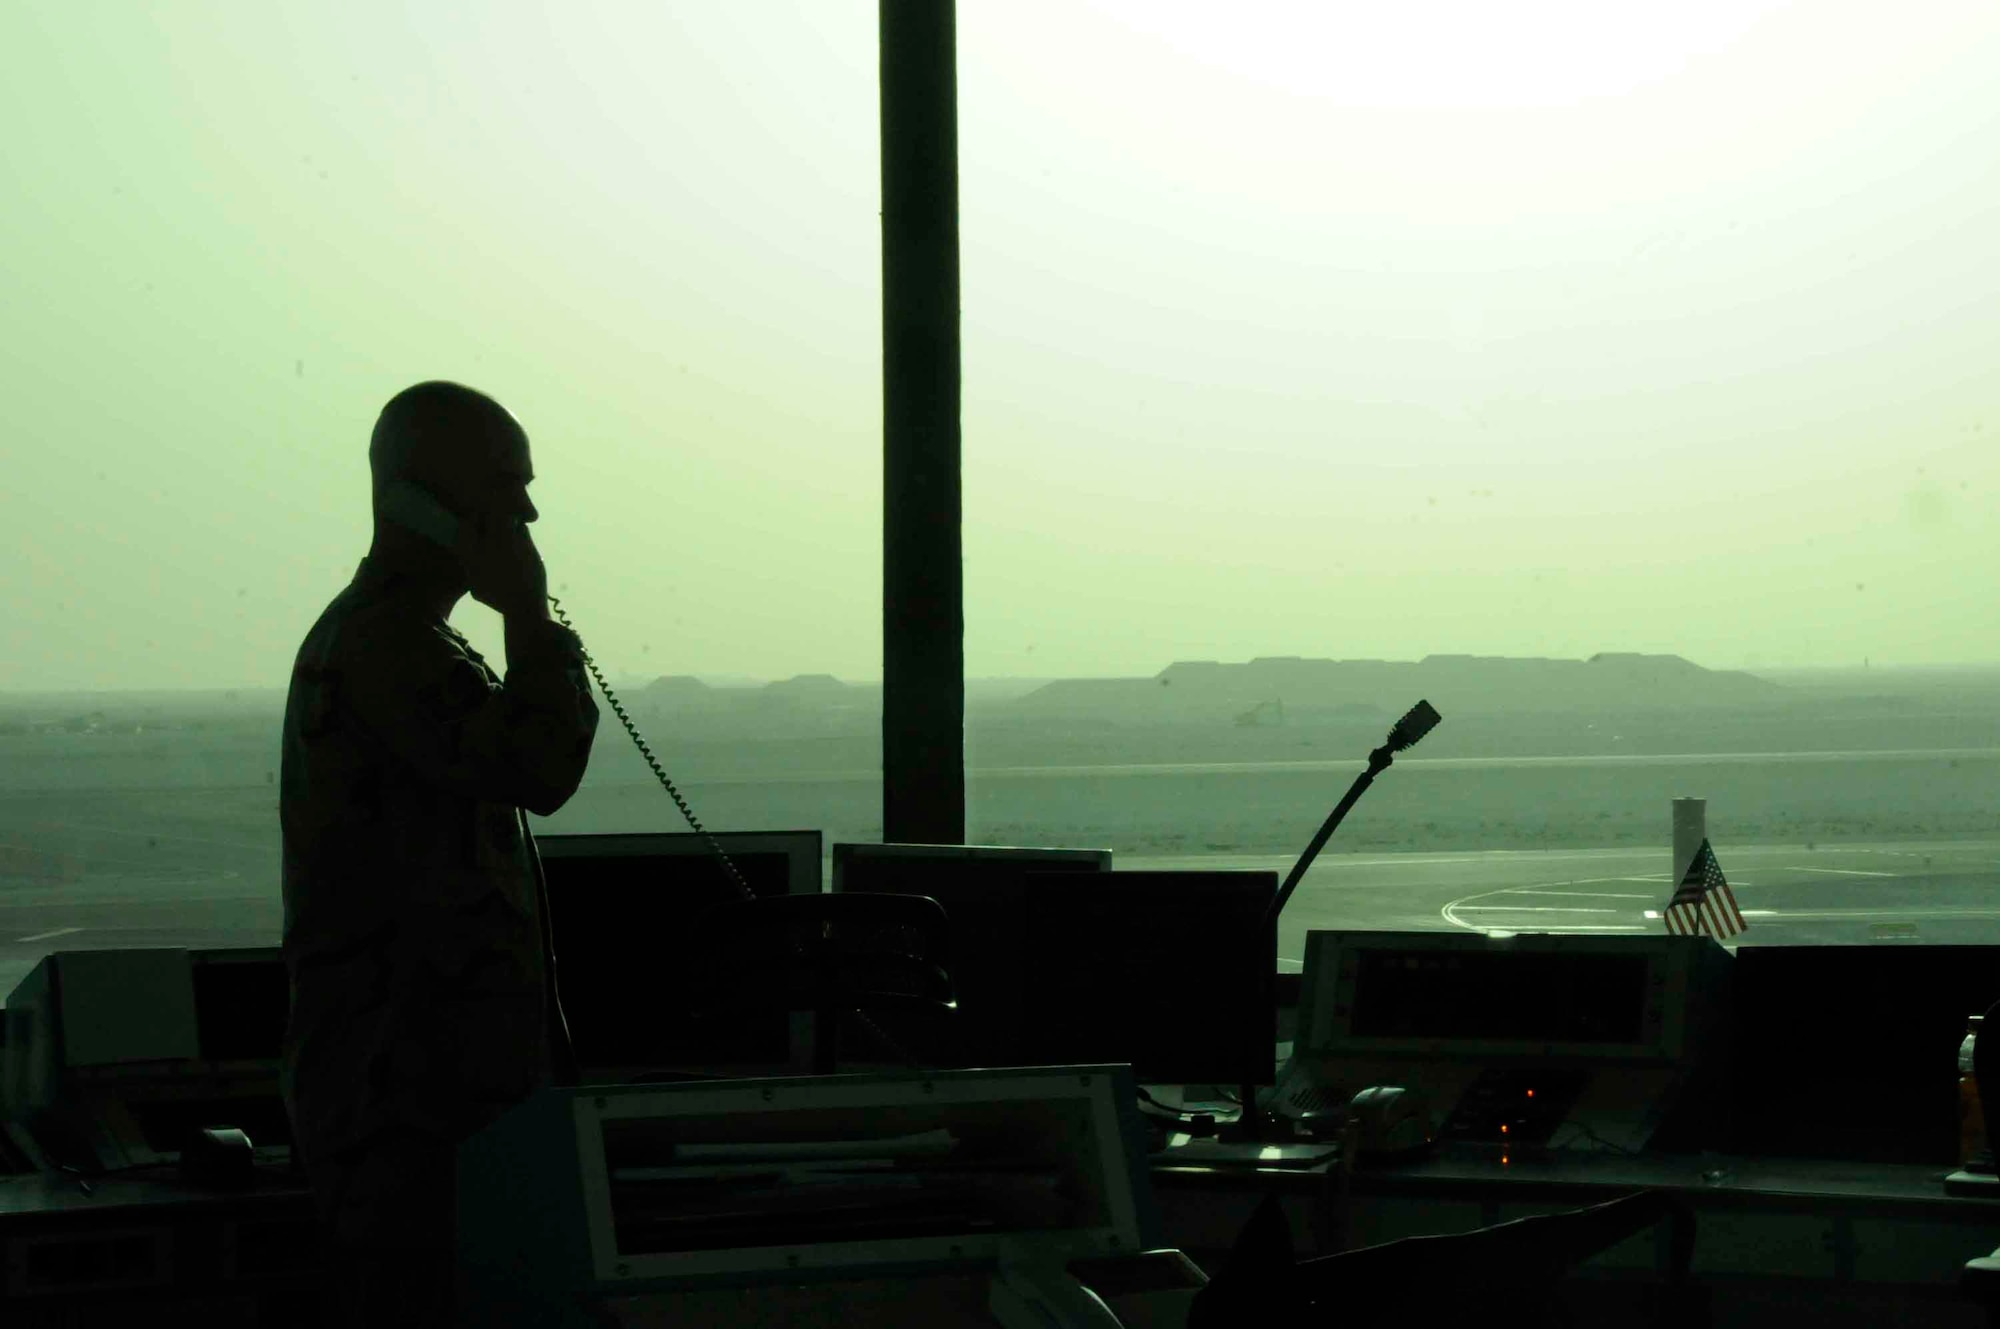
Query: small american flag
point(1704, 903)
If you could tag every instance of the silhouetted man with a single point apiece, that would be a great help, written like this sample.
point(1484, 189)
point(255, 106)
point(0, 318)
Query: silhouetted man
point(423, 998)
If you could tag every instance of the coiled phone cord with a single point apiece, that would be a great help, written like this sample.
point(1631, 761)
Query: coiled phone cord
point(660, 774)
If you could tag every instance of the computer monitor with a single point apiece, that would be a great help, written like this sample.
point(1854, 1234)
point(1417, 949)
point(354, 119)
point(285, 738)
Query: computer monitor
point(981, 890)
point(1174, 972)
point(619, 903)
point(1536, 996)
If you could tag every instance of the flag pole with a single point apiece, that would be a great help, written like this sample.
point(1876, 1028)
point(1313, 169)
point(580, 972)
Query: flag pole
point(1690, 829)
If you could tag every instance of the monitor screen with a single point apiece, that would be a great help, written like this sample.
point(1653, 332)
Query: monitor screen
point(1174, 972)
point(1523, 996)
point(619, 903)
point(241, 1002)
point(980, 888)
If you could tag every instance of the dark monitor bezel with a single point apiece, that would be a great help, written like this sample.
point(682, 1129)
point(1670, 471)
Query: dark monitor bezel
point(805, 878)
point(803, 853)
point(979, 887)
point(1031, 857)
point(1255, 1062)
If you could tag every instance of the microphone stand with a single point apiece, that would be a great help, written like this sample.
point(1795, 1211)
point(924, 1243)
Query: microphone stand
point(1252, 1126)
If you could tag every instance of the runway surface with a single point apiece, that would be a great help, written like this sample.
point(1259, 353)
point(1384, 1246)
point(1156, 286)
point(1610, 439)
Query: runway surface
point(1911, 893)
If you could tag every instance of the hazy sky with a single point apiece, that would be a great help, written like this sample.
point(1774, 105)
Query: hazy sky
point(1325, 328)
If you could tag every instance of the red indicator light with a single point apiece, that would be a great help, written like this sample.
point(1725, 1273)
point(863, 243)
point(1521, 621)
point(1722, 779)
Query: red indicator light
point(1531, 1093)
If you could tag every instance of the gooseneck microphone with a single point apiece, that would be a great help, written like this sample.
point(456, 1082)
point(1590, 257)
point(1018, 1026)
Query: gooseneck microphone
point(1419, 720)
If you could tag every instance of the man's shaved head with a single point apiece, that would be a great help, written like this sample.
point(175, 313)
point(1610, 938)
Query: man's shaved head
point(469, 454)
point(447, 437)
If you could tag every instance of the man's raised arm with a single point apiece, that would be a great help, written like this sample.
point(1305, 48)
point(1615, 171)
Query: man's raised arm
point(524, 742)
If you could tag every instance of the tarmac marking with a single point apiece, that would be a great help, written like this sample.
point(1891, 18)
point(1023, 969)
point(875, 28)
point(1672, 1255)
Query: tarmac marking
point(1845, 872)
point(1580, 927)
point(44, 936)
point(1534, 909)
point(1913, 911)
point(1582, 895)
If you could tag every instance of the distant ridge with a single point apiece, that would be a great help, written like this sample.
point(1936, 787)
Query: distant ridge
point(1467, 683)
point(674, 687)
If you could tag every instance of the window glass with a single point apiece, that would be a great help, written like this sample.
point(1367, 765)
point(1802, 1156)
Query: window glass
point(236, 229)
point(1619, 379)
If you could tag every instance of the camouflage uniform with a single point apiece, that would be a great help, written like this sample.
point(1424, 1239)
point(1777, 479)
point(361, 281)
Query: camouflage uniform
point(423, 1000)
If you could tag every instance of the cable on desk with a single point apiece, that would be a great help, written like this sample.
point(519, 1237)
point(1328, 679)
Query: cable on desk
point(1608, 1146)
point(1178, 1112)
point(1193, 1123)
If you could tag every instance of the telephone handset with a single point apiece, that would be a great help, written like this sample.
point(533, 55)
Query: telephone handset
point(412, 506)
point(415, 508)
